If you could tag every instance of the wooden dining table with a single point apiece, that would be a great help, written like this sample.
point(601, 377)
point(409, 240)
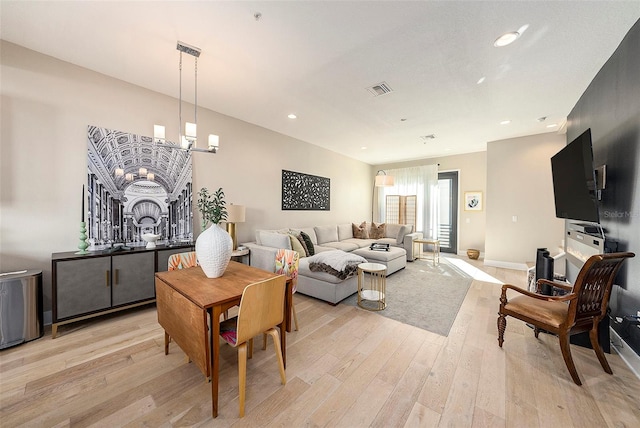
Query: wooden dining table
point(187, 300)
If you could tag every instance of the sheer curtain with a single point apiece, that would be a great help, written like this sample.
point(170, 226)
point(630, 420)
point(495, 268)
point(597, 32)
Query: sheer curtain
point(421, 181)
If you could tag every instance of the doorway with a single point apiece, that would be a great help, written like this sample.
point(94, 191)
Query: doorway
point(448, 227)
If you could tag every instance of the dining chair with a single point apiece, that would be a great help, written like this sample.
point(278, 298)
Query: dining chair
point(579, 310)
point(287, 262)
point(261, 310)
point(182, 260)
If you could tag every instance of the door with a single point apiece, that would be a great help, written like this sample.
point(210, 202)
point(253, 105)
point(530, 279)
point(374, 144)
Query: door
point(448, 228)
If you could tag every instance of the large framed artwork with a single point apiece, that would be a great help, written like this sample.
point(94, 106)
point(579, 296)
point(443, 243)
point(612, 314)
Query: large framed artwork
point(135, 187)
point(305, 192)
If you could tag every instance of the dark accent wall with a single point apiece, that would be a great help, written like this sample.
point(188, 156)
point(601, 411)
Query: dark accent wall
point(611, 108)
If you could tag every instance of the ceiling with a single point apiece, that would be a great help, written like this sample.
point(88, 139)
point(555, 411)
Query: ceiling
point(317, 59)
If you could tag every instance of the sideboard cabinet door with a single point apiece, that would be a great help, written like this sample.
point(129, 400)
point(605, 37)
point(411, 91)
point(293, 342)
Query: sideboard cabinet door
point(83, 286)
point(133, 277)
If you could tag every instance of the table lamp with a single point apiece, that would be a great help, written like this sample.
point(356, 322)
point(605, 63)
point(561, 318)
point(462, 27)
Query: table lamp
point(235, 214)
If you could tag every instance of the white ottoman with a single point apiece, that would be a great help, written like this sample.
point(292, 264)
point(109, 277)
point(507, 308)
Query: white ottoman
point(394, 259)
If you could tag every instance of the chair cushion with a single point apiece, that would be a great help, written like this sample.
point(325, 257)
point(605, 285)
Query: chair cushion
point(229, 330)
point(549, 313)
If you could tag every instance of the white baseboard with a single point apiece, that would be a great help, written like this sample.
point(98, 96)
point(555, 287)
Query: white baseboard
point(627, 354)
point(506, 265)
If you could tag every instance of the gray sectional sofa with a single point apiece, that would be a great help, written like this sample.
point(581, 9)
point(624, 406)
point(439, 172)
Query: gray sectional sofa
point(323, 285)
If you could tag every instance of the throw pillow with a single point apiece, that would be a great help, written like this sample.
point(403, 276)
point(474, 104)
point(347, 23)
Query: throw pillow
point(377, 231)
point(306, 250)
point(296, 245)
point(307, 240)
point(360, 232)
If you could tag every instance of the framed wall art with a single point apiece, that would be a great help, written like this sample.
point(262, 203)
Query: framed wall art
point(473, 201)
point(305, 192)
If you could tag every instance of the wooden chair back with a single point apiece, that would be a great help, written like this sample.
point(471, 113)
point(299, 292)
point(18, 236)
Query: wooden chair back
point(261, 308)
point(593, 287)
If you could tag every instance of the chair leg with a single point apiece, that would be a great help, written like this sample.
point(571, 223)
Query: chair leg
point(242, 375)
point(502, 325)
point(276, 344)
point(595, 344)
point(250, 351)
point(264, 341)
point(536, 331)
point(568, 360)
point(295, 315)
point(167, 339)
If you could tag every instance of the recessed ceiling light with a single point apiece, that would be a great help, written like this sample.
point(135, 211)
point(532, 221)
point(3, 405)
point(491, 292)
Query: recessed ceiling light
point(505, 122)
point(480, 80)
point(363, 148)
point(292, 116)
point(506, 39)
point(552, 125)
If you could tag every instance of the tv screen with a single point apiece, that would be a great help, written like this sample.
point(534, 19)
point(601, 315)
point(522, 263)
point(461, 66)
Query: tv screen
point(574, 184)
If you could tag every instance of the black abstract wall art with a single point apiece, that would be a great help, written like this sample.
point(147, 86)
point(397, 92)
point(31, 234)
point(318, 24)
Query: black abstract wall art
point(305, 192)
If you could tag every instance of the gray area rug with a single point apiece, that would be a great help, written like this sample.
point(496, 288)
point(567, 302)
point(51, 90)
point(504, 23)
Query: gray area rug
point(424, 295)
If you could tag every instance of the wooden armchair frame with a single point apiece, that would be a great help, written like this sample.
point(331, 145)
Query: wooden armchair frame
point(580, 310)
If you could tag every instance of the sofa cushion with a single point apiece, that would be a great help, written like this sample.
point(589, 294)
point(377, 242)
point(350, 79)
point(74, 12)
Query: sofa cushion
point(343, 245)
point(392, 230)
point(326, 234)
point(404, 230)
point(377, 231)
point(359, 243)
point(275, 240)
point(260, 231)
point(360, 232)
point(345, 231)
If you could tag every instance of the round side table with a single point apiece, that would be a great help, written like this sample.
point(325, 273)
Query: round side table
point(372, 282)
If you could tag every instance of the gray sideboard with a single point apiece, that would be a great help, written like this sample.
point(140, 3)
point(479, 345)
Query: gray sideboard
point(101, 282)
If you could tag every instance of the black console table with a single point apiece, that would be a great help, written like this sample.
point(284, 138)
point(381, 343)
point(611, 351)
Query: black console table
point(105, 281)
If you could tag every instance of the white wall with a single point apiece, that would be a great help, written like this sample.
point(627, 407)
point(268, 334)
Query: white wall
point(472, 176)
point(47, 105)
point(519, 184)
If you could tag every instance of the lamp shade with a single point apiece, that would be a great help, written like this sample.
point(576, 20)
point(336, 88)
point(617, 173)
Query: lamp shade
point(384, 180)
point(235, 213)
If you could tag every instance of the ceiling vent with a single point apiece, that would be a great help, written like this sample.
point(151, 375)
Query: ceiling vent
point(380, 89)
point(426, 138)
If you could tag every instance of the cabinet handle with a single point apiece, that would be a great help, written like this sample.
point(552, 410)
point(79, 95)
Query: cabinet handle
point(117, 276)
point(106, 278)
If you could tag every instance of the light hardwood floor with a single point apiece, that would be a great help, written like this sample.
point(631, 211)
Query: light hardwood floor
point(346, 368)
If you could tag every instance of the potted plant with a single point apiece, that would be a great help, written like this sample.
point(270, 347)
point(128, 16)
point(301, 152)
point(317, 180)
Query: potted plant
point(214, 245)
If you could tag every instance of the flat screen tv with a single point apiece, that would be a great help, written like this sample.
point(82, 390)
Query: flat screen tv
point(574, 181)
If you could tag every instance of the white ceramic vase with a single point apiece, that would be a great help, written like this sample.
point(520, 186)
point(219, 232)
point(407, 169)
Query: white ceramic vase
point(213, 249)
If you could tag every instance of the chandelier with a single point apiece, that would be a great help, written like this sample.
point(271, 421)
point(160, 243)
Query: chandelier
point(188, 140)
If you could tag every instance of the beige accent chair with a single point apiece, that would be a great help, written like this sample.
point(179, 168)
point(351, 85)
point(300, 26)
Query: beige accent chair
point(261, 310)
